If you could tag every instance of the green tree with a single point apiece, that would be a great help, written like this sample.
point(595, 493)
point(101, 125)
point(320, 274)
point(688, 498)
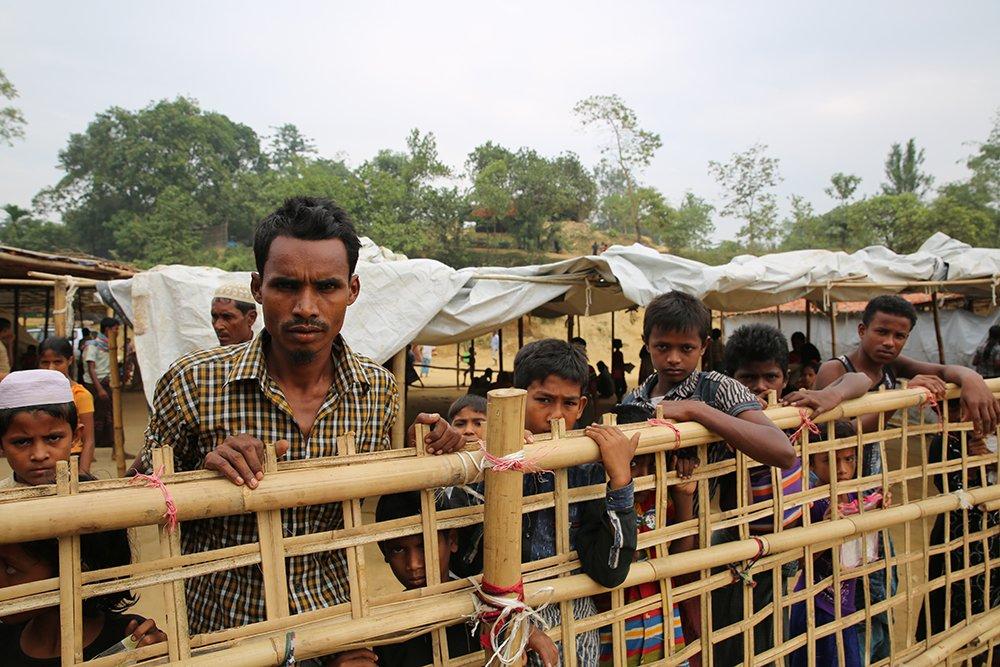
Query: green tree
point(842, 189)
point(630, 148)
point(11, 119)
point(902, 171)
point(898, 222)
point(287, 145)
point(746, 180)
point(22, 230)
point(693, 226)
point(119, 166)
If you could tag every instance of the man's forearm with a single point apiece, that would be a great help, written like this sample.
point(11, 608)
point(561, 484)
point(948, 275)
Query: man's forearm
point(92, 372)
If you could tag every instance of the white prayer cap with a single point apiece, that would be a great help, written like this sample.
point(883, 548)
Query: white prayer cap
point(234, 291)
point(36, 387)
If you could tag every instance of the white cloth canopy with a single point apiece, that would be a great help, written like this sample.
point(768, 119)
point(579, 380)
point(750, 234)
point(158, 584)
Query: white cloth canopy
point(425, 301)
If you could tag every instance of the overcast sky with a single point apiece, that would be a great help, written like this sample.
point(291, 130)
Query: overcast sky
point(828, 86)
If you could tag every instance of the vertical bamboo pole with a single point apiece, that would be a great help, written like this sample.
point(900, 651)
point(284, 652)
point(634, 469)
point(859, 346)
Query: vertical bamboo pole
point(70, 578)
point(500, 351)
point(520, 332)
point(502, 514)
point(833, 328)
point(398, 436)
point(560, 493)
point(458, 365)
point(59, 304)
point(116, 402)
point(174, 601)
point(15, 359)
point(937, 327)
point(569, 328)
point(808, 321)
point(48, 312)
point(612, 335)
point(777, 316)
point(432, 556)
point(272, 550)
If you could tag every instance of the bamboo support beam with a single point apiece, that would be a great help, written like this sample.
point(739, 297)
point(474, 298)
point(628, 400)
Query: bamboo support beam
point(53, 516)
point(70, 600)
point(937, 327)
point(59, 310)
point(398, 435)
point(174, 601)
point(983, 629)
point(115, 380)
point(502, 515)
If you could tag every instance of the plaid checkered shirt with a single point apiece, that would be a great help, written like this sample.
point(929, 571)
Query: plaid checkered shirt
point(207, 396)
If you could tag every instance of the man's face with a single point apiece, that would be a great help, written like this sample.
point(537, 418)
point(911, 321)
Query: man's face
point(305, 290)
point(884, 337)
point(760, 377)
point(472, 424)
point(34, 442)
point(405, 555)
point(675, 354)
point(231, 326)
point(553, 398)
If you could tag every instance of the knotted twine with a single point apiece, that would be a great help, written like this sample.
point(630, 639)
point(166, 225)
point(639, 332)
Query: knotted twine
point(492, 606)
point(154, 481)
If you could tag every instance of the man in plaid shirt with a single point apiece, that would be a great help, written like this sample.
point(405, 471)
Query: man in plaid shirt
point(297, 384)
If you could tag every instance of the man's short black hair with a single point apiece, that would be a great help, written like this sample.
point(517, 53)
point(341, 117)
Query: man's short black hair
point(798, 335)
point(473, 401)
point(550, 356)
point(64, 411)
point(309, 219)
point(397, 506)
point(109, 323)
point(677, 311)
point(4, 324)
point(890, 304)
point(241, 306)
point(756, 343)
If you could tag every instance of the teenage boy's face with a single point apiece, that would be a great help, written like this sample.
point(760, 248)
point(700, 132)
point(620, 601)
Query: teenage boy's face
point(472, 424)
point(761, 377)
point(34, 443)
point(846, 462)
point(405, 555)
point(884, 337)
point(17, 566)
point(675, 354)
point(552, 398)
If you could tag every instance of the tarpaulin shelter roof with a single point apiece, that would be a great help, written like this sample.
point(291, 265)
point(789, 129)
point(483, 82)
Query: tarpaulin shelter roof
point(423, 300)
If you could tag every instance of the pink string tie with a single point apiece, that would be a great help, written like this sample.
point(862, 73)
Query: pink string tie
point(667, 424)
point(516, 462)
point(807, 424)
point(154, 481)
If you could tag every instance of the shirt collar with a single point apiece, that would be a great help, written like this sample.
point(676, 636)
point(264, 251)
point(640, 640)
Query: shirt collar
point(249, 363)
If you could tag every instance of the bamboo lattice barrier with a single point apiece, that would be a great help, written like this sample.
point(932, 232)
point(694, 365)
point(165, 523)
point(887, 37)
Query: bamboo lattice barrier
point(68, 509)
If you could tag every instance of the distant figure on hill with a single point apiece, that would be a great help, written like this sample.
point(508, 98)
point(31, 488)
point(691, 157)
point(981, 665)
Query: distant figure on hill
point(480, 385)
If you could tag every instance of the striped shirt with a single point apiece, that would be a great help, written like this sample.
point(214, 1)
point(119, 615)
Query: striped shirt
point(206, 396)
point(762, 489)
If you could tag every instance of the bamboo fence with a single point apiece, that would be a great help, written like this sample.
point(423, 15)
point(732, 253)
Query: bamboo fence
point(68, 509)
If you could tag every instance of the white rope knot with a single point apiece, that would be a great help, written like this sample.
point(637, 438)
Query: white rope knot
point(964, 499)
point(511, 620)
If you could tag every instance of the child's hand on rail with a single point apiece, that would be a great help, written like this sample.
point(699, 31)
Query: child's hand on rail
point(617, 451)
point(443, 438)
point(819, 401)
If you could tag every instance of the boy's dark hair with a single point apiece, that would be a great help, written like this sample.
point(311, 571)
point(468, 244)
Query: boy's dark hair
point(64, 411)
point(472, 401)
point(677, 311)
point(756, 343)
point(550, 356)
point(798, 336)
point(716, 334)
point(108, 323)
point(843, 428)
point(98, 551)
point(397, 506)
point(578, 340)
point(890, 304)
point(61, 346)
point(241, 306)
point(812, 364)
point(309, 219)
point(632, 413)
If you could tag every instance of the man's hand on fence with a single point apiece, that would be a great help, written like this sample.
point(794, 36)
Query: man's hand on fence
point(443, 438)
point(616, 452)
point(978, 405)
point(819, 401)
point(359, 657)
point(145, 633)
point(240, 459)
point(542, 644)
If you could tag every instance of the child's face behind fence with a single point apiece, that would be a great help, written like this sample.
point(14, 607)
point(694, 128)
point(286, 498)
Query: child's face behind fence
point(17, 566)
point(553, 398)
point(471, 423)
point(760, 377)
point(884, 337)
point(405, 555)
point(53, 361)
point(846, 462)
point(34, 442)
point(675, 354)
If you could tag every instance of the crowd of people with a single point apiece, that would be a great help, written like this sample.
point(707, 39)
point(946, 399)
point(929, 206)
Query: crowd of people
point(298, 384)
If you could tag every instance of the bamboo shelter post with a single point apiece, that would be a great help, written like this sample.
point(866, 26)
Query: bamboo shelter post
point(502, 514)
point(116, 401)
point(15, 360)
point(59, 304)
point(48, 312)
point(833, 328)
point(808, 321)
point(458, 365)
point(520, 332)
point(500, 348)
point(398, 436)
point(937, 327)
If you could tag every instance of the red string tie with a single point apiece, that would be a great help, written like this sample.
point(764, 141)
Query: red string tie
point(931, 400)
point(518, 461)
point(807, 424)
point(666, 423)
point(154, 481)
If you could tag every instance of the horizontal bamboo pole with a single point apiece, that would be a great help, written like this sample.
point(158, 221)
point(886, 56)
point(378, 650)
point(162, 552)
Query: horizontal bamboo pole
point(984, 628)
point(57, 516)
point(327, 636)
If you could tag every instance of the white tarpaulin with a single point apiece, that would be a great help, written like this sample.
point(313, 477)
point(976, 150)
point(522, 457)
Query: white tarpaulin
point(422, 300)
